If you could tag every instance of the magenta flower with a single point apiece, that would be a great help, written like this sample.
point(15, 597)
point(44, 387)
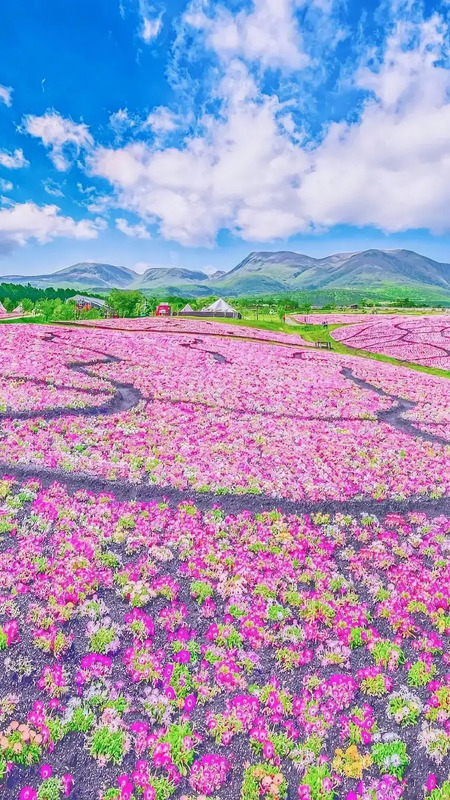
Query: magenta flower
point(190, 702)
point(431, 782)
point(28, 793)
point(46, 771)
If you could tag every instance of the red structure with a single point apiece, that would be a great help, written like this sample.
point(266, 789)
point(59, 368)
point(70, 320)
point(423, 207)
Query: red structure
point(163, 310)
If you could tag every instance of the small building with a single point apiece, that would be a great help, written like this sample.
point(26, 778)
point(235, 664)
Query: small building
point(218, 309)
point(164, 310)
point(2, 309)
point(87, 303)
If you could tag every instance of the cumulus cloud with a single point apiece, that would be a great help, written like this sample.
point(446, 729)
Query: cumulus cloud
point(24, 222)
point(268, 34)
point(136, 231)
point(162, 120)
point(151, 23)
point(250, 170)
point(63, 137)
point(14, 160)
point(5, 186)
point(6, 95)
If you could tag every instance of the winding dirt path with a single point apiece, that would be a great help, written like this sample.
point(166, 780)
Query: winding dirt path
point(393, 416)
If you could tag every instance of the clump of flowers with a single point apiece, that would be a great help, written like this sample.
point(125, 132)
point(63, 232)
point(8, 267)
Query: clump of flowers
point(317, 784)
point(351, 762)
point(209, 773)
point(405, 707)
point(420, 673)
point(21, 744)
point(435, 741)
point(360, 726)
point(373, 682)
point(262, 780)
point(53, 680)
point(9, 634)
point(391, 757)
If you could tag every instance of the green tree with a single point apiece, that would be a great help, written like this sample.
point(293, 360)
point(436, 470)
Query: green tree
point(8, 304)
point(27, 305)
point(126, 303)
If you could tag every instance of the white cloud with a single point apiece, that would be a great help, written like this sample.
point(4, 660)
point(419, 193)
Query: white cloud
point(6, 95)
point(64, 138)
point(151, 23)
point(137, 231)
point(52, 188)
point(268, 34)
point(5, 186)
point(24, 222)
point(99, 204)
point(121, 121)
point(162, 120)
point(14, 160)
point(251, 171)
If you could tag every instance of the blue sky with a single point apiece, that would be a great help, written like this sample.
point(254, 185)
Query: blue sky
point(190, 132)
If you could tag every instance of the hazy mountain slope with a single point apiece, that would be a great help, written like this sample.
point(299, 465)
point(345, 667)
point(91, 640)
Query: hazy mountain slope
point(156, 278)
point(262, 273)
point(80, 276)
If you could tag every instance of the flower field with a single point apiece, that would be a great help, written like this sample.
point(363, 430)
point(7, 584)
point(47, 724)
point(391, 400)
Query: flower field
point(422, 340)
point(203, 327)
point(224, 570)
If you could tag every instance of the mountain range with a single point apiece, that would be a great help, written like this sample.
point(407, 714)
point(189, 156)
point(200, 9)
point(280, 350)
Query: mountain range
point(259, 273)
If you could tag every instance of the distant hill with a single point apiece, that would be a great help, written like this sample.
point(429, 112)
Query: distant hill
point(286, 271)
point(173, 280)
point(263, 273)
point(80, 276)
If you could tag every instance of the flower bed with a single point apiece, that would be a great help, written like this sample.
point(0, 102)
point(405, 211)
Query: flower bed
point(422, 340)
point(203, 327)
point(244, 418)
point(161, 652)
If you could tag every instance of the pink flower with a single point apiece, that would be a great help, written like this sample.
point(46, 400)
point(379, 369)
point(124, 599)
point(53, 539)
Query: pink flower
point(431, 782)
point(46, 771)
point(28, 793)
point(190, 702)
point(268, 750)
point(68, 782)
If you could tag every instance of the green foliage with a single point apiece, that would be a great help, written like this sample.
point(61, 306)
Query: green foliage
point(50, 789)
point(182, 755)
point(314, 778)
point(100, 641)
point(442, 793)
point(28, 295)
point(126, 303)
point(391, 758)
point(419, 674)
point(109, 745)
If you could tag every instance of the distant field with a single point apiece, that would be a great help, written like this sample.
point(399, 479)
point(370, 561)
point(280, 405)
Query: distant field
point(422, 340)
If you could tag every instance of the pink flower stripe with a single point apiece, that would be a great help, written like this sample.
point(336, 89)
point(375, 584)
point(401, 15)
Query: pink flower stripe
point(233, 417)
point(422, 340)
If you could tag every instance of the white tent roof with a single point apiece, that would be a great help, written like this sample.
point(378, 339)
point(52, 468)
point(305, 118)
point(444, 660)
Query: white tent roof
point(186, 308)
point(19, 309)
point(220, 306)
point(2, 309)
